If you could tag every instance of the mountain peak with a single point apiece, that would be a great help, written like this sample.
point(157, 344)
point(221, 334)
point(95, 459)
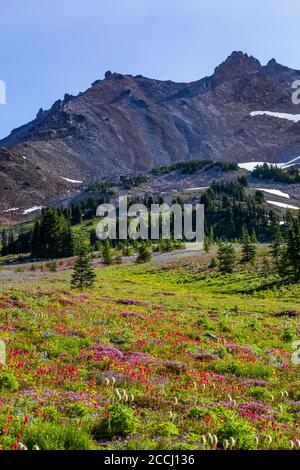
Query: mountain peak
point(237, 64)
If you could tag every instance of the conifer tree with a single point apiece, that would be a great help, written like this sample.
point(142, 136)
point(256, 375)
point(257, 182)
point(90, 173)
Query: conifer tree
point(83, 276)
point(276, 243)
point(211, 235)
point(206, 244)
point(226, 257)
point(144, 254)
point(4, 243)
point(107, 253)
point(292, 253)
point(248, 249)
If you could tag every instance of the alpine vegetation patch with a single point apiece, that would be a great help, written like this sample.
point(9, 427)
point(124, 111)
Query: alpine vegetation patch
point(162, 221)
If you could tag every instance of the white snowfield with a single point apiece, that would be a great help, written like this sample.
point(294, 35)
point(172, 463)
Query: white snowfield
point(13, 209)
point(250, 166)
point(197, 189)
point(275, 192)
point(32, 209)
point(72, 181)
point(290, 163)
point(286, 116)
point(283, 205)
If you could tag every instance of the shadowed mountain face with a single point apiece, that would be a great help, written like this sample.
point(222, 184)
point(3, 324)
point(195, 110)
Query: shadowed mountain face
point(124, 124)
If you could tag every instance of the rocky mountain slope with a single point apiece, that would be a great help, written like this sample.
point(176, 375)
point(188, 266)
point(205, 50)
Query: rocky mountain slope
point(125, 125)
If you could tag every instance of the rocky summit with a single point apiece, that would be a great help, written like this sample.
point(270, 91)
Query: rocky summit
point(127, 124)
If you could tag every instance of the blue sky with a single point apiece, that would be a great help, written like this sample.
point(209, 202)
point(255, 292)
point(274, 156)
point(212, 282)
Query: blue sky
point(52, 47)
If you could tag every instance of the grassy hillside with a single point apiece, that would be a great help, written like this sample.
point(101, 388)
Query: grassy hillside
point(159, 356)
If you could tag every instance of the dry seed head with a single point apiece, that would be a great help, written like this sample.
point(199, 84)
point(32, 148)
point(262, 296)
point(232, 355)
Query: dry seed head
point(22, 446)
point(225, 444)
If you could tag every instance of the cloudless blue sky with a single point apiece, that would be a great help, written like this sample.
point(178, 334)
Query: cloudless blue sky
point(50, 47)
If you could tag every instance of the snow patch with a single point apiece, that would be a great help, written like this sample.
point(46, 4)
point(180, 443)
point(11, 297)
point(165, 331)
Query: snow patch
point(72, 181)
point(13, 209)
point(290, 163)
point(283, 205)
point(275, 192)
point(197, 189)
point(32, 209)
point(250, 166)
point(286, 116)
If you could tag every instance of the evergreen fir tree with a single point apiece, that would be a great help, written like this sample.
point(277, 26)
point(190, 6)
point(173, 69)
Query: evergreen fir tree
point(226, 257)
point(107, 253)
point(52, 236)
point(253, 237)
point(211, 235)
point(144, 254)
point(292, 252)
point(4, 243)
point(276, 243)
point(248, 249)
point(83, 276)
point(206, 244)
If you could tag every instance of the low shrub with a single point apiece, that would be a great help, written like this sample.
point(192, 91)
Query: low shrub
point(119, 421)
point(198, 413)
point(8, 382)
point(49, 436)
point(259, 393)
point(240, 431)
point(167, 429)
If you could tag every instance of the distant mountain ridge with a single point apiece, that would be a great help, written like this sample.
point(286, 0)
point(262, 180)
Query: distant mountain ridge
point(124, 125)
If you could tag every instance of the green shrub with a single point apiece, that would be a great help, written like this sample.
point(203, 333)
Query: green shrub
point(198, 413)
point(120, 421)
point(242, 369)
point(185, 446)
point(241, 432)
point(70, 345)
point(49, 436)
point(259, 392)
point(167, 429)
point(78, 410)
point(288, 336)
point(8, 382)
point(50, 413)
